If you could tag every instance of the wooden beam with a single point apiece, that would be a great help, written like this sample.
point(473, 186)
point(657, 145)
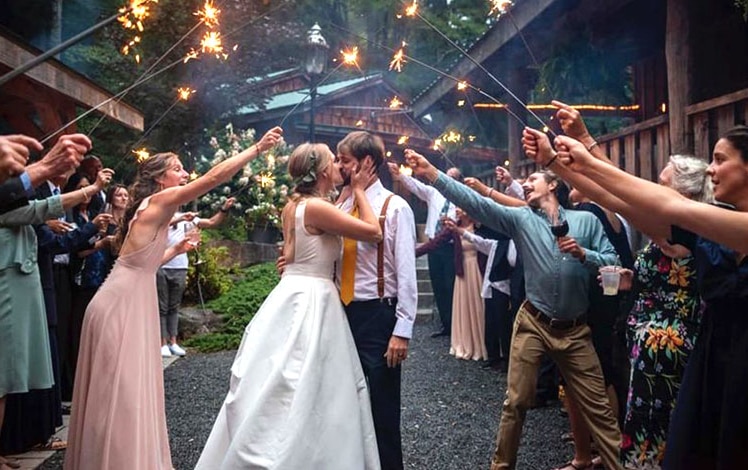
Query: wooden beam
point(62, 79)
point(723, 100)
point(678, 58)
point(523, 14)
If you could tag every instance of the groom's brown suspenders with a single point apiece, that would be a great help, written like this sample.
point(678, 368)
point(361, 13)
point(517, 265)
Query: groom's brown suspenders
point(380, 248)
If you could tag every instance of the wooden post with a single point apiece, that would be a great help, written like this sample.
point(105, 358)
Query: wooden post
point(679, 61)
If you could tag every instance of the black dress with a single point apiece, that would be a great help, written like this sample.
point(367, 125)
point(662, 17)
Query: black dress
point(709, 427)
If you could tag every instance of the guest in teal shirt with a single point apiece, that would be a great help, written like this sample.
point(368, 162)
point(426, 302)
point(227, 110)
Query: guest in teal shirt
point(553, 318)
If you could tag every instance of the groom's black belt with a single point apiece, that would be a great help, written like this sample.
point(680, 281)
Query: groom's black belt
point(390, 301)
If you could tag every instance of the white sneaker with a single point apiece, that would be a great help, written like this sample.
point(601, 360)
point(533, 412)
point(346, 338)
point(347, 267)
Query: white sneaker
point(176, 350)
point(165, 351)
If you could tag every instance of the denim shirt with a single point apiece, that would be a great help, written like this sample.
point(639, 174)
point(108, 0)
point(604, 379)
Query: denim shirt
point(557, 287)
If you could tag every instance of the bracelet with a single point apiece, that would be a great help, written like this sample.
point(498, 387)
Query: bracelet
point(550, 162)
point(490, 191)
point(592, 145)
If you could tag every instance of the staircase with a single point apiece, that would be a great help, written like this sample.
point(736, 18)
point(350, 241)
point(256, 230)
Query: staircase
point(426, 305)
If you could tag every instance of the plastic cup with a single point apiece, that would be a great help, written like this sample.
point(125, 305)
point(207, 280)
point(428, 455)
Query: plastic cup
point(611, 277)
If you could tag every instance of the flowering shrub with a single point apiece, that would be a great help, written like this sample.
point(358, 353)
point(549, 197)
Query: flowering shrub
point(261, 190)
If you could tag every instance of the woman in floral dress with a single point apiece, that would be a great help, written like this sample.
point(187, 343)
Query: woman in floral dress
point(662, 328)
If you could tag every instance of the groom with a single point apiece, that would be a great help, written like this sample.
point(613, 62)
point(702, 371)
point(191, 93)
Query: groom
point(378, 289)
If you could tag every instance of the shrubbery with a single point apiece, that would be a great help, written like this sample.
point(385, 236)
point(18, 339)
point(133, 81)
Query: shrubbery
point(236, 308)
point(215, 278)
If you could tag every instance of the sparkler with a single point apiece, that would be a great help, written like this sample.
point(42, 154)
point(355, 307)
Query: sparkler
point(403, 140)
point(141, 155)
point(481, 67)
point(56, 50)
point(208, 15)
point(132, 18)
point(406, 170)
point(395, 103)
point(193, 175)
point(399, 58)
point(266, 180)
point(459, 81)
point(349, 57)
point(500, 7)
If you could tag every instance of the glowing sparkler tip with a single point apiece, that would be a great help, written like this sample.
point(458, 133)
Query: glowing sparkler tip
point(462, 85)
point(350, 56)
point(500, 7)
point(402, 140)
point(395, 103)
point(412, 9)
point(193, 175)
point(406, 170)
point(141, 155)
point(398, 59)
point(209, 14)
point(184, 93)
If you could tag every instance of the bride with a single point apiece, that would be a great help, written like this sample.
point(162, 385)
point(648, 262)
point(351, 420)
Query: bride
point(297, 395)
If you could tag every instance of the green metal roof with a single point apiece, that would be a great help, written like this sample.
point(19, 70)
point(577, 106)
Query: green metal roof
point(293, 98)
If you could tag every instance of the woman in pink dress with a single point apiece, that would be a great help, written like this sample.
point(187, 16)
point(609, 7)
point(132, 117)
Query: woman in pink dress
point(118, 419)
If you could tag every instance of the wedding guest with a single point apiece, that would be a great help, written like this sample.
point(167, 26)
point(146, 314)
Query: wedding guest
point(118, 401)
point(553, 318)
point(708, 426)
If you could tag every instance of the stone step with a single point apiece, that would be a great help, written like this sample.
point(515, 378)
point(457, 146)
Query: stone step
point(424, 285)
point(424, 314)
point(422, 262)
point(425, 300)
point(422, 273)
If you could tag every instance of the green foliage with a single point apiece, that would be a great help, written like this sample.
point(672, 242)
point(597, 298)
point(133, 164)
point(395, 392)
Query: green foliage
point(262, 189)
point(237, 307)
point(742, 5)
point(214, 277)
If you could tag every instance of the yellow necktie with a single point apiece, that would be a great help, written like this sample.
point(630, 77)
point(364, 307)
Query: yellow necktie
point(348, 266)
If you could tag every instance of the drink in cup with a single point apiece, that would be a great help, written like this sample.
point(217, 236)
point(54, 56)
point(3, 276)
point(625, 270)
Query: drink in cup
point(611, 278)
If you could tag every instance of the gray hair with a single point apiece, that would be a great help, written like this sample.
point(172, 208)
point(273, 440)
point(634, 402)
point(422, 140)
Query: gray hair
point(690, 178)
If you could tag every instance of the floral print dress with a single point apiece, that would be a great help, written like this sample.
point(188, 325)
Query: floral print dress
point(662, 330)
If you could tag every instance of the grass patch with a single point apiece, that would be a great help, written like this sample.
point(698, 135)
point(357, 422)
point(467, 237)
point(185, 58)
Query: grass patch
point(237, 307)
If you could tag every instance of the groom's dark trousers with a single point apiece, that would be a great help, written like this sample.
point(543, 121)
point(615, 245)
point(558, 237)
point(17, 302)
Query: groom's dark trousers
point(372, 323)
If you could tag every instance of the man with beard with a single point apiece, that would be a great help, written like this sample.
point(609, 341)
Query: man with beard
point(378, 289)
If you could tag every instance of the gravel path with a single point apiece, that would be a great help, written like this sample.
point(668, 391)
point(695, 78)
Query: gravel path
point(451, 410)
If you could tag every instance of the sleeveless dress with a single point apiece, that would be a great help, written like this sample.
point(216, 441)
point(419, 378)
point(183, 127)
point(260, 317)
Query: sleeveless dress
point(468, 310)
point(297, 394)
point(117, 418)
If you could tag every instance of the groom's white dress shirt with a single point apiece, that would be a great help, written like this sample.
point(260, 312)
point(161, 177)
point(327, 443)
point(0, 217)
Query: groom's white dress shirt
point(399, 258)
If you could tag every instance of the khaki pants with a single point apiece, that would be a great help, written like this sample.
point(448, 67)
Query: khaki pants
point(575, 356)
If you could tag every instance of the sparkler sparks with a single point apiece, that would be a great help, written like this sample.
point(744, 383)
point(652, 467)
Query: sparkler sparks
point(412, 9)
point(395, 103)
point(406, 170)
point(208, 15)
point(402, 140)
point(193, 175)
point(212, 43)
point(462, 86)
point(132, 17)
point(141, 155)
point(500, 7)
point(350, 56)
point(398, 60)
point(184, 93)
point(266, 180)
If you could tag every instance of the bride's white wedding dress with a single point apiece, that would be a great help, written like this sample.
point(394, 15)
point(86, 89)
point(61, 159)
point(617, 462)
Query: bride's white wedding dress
point(297, 397)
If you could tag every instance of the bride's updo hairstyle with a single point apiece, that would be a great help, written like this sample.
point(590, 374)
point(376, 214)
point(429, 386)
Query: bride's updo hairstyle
point(304, 165)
